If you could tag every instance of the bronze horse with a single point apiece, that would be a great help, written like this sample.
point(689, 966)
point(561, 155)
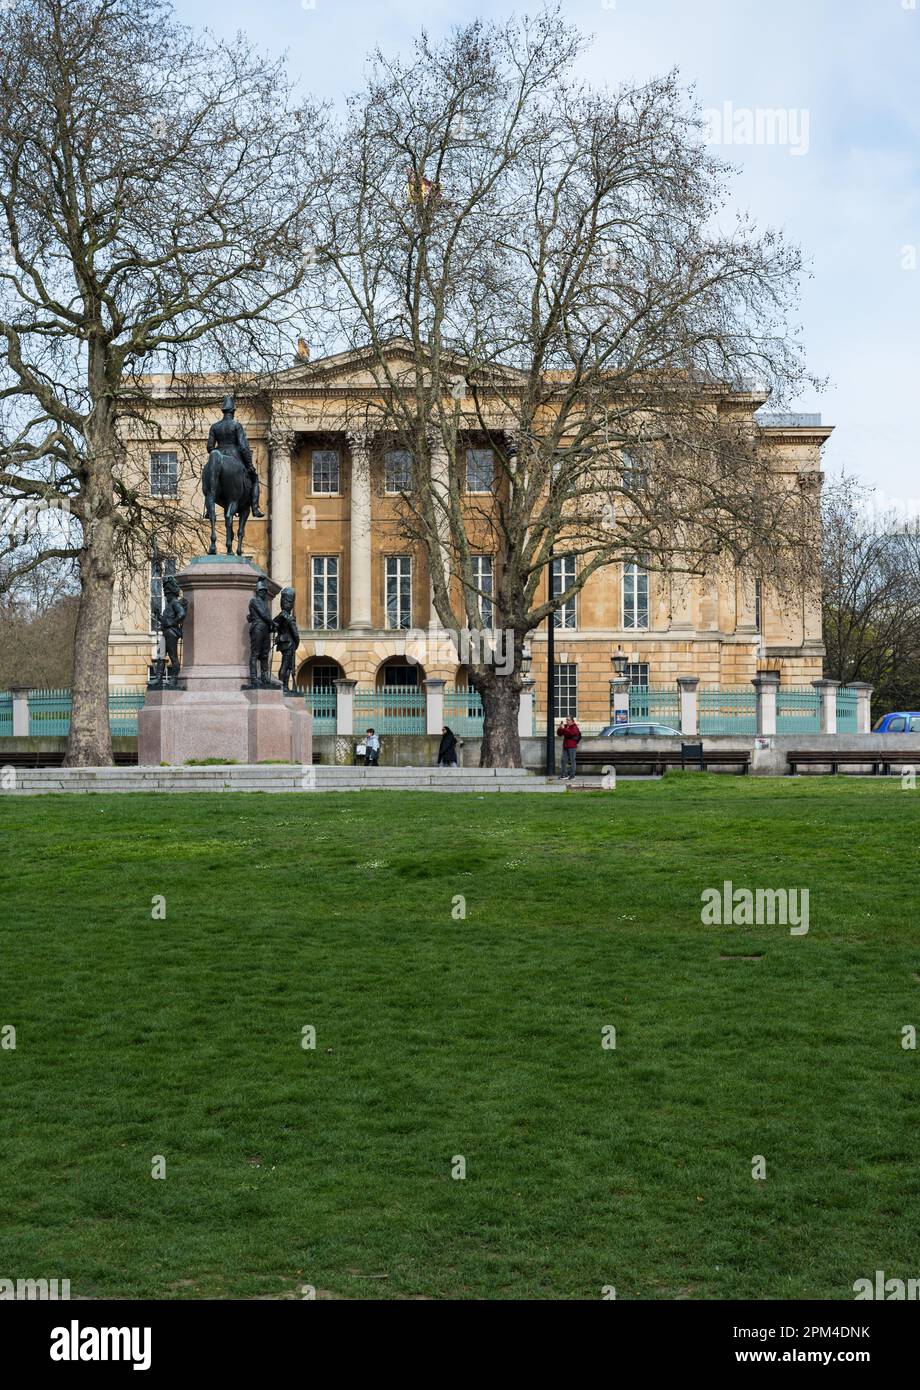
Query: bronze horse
point(229, 479)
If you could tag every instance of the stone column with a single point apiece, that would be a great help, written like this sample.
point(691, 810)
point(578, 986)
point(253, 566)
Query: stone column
point(440, 487)
point(827, 694)
point(619, 700)
point(434, 705)
point(20, 696)
point(682, 618)
point(766, 684)
point(359, 555)
point(281, 509)
point(525, 710)
point(863, 705)
point(345, 707)
point(689, 721)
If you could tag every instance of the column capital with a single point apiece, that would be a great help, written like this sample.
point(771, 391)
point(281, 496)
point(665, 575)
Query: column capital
point(825, 684)
point(344, 684)
point(434, 682)
point(359, 441)
point(688, 682)
point(280, 440)
point(765, 679)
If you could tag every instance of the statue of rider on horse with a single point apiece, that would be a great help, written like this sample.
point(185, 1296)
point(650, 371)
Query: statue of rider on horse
point(229, 479)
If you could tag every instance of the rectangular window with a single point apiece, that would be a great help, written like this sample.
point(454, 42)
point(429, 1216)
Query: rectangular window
point(325, 471)
point(399, 591)
point(325, 591)
point(635, 596)
point(634, 475)
point(397, 469)
point(637, 673)
point(402, 676)
point(758, 605)
point(479, 470)
point(565, 686)
point(482, 578)
point(159, 569)
point(563, 577)
point(323, 677)
point(164, 475)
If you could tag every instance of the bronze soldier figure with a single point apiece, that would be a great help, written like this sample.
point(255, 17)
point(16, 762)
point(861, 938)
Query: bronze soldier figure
point(171, 620)
point(287, 639)
point(260, 634)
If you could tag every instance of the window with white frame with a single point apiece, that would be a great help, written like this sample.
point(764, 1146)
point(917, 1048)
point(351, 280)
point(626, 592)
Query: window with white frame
point(325, 463)
point(563, 578)
point(164, 474)
point(160, 568)
point(565, 688)
point(399, 591)
point(634, 472)
point(325, 570)
point(637, 673)
point(635, 596)
point(397, 470)
point(482, 578)
point(479, 470)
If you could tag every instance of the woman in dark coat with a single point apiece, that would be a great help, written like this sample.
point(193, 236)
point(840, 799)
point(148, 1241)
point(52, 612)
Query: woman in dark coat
point(447, 751)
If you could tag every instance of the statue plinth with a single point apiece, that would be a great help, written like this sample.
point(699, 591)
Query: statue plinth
point(210, 715)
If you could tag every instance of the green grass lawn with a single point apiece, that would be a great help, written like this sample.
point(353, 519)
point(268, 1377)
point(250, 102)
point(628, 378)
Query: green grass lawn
point(481, 1037)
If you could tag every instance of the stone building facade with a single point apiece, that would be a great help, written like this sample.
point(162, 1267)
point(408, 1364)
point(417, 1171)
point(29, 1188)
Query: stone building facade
point(332, 531)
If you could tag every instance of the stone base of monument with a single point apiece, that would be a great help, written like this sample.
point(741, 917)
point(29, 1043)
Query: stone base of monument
point(211, 715)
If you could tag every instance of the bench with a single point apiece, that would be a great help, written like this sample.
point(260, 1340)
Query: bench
point(835, 758)
point(659, 759)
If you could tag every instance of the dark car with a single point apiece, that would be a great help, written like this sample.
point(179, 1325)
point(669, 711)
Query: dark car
point(639, 729)
point(900, 722)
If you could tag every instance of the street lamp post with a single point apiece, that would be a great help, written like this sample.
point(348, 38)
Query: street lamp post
point(619, 688)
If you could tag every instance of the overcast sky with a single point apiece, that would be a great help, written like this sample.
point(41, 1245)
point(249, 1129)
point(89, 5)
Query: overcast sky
point(845, 185)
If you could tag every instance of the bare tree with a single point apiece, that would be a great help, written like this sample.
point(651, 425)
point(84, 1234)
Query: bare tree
point(550, 262)
point(870, 595)
point(153, 191)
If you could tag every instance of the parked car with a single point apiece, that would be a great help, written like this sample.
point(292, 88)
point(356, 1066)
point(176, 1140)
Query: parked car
point(639, 729)
point(900, 722)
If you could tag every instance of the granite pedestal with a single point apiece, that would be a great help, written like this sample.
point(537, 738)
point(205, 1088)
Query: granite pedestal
point(211, 714)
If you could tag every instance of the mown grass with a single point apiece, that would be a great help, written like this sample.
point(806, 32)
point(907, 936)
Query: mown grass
point(479, 1037)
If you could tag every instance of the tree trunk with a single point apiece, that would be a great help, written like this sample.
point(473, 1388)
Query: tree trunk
point(501, 699)
point(90, 741)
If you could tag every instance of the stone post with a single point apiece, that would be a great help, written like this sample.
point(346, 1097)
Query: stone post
point(525, 710)
point(281, 509)
point(345, 707)
point(434, 705)
point(827, 694)
point(440, 487)
point(20, 711)
point(766, 684)
point(359, 555)
point(689, 720)
point(619, 700)
point(863, 705)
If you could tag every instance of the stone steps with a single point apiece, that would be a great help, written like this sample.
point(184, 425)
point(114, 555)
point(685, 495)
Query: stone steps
point(277, 778)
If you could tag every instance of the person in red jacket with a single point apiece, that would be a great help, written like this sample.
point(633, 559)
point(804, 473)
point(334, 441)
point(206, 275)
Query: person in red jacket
point(570, 734)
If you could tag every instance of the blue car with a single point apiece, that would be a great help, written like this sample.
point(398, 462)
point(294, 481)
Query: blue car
point(900, 722)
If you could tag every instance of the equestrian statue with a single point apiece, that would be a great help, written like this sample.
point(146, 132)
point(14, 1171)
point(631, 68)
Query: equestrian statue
point(229, 479)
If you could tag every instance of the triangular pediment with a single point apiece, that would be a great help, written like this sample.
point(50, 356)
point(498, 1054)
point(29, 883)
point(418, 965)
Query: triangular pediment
point(361, 368)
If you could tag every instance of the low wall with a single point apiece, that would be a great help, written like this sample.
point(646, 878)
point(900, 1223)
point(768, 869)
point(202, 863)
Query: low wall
point(421, 750)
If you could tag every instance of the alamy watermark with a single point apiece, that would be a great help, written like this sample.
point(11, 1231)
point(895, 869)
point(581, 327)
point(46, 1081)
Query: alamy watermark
point(786, 126)
point(35, 1289)
point(755, 907)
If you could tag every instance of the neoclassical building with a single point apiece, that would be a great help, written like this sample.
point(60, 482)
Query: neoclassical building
point(332, 531)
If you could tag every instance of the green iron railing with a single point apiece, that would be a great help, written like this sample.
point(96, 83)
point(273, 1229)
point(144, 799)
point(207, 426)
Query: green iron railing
point(321, 704)
point(394, 709)
point(49, 712)
point(846, 711)
point(659, 704)
point(729, 711)
point(6, 714)
point(798, 710)
point(463, 712)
